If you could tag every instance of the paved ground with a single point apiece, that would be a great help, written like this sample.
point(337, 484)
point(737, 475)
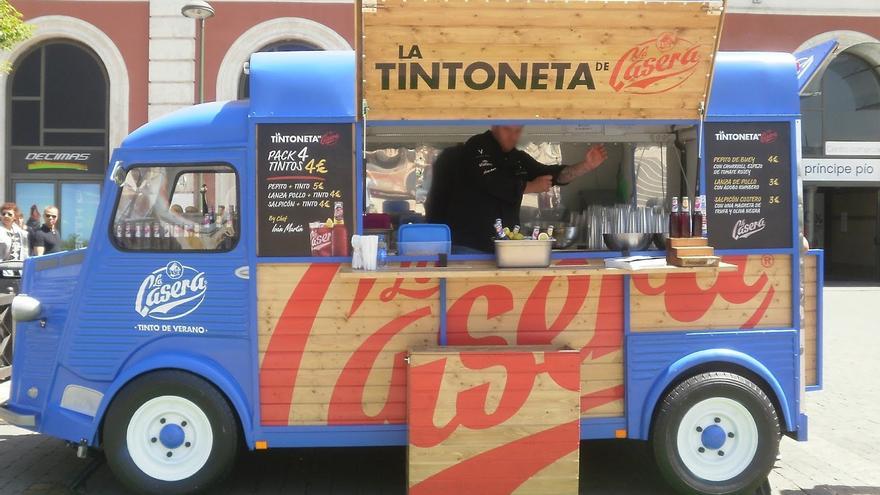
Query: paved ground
point(842, 456)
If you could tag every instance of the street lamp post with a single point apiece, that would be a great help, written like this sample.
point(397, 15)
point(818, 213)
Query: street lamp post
point(199, 10)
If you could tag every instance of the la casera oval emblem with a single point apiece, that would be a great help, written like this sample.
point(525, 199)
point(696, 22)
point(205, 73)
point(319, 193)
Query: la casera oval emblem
point(170, 292)
point(656, 65)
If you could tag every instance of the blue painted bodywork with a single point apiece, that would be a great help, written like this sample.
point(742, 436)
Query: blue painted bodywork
point(88, 295)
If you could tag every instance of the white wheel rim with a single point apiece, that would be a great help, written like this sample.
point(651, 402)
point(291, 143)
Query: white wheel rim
point(169, 425)
point(717, 439)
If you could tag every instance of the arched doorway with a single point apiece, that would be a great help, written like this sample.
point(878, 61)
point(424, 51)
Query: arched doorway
point(841, 125)
point(278, 46)
point(57, 133)
point(296, 33)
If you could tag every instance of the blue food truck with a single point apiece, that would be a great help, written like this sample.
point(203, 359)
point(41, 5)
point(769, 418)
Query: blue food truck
point(216, 307)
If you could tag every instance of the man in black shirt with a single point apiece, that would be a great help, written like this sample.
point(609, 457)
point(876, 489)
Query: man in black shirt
point(46, 238)
point(488, 182)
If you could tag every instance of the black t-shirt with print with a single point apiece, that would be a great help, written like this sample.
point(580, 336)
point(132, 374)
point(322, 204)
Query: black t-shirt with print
point(51, 241)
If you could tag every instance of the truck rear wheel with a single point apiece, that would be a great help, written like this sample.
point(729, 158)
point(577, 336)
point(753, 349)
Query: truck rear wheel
point(170, 432)
point(716, 433)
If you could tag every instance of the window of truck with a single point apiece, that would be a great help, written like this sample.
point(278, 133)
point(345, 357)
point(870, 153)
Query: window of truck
point(172, 208)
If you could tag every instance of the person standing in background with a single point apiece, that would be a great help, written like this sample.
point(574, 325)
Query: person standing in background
point(13, 244)
point(46, 238)
point(32, 224)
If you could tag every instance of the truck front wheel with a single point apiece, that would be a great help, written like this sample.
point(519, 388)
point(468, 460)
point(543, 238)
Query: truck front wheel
point(716, 433)
point(170, 432)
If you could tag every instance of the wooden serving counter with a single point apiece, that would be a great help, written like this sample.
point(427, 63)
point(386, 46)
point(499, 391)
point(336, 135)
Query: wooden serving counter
point(487, 270)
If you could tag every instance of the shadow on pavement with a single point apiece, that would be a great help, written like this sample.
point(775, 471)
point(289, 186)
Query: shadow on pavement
point(834, 490)
point(37, 465)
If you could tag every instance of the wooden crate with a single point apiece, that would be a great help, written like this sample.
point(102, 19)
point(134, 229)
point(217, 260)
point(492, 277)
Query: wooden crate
point(493, 420)
point(548, 59)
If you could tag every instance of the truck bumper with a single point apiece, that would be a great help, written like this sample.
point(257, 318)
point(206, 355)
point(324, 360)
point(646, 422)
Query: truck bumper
point(10, 416)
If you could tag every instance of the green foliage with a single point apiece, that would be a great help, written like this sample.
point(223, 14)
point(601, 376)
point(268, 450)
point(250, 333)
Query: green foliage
point(12, 29)
point(73, 241)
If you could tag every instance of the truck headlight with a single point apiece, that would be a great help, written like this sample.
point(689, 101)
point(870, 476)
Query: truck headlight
point(25, 308)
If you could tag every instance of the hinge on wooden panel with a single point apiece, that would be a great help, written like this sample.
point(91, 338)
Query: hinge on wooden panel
point(368, 6)
point(364, 107)
point(713, 8)
point(702, 108)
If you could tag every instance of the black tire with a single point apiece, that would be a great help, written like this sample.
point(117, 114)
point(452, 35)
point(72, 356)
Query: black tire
point(176, 384)
point(694, 390)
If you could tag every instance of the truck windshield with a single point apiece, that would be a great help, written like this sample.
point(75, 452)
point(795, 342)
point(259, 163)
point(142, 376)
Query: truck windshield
point(183, 207)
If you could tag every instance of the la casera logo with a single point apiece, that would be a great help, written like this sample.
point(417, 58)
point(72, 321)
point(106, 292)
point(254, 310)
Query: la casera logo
point(743, 229)
point(170, 292)
point(656, 65)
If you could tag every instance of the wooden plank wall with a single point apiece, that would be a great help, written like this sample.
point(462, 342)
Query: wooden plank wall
point(582, 312)
point(757, 295)
point(493, 420)
point(809, 326)
point(331, 350)
point(646, 37)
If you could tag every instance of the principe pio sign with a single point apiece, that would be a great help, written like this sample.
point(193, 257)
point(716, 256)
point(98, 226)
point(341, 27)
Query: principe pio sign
point(459, 60)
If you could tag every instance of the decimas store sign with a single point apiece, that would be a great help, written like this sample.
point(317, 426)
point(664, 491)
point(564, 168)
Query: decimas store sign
point(748, 185)
point(305, 189)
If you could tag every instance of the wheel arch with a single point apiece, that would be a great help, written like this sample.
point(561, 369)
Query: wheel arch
point(199, 366)
point(716, 360)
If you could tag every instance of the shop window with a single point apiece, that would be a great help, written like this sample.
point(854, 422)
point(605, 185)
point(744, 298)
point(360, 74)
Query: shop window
point(57, 133)
point(177, 208)
point(846, 109)
point(244, 89)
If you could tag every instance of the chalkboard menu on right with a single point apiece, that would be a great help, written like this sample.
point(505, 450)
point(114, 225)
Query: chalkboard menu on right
point(748, 184)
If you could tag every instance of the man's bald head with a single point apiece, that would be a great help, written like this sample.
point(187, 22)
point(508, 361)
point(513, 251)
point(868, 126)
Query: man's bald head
point(507, 135)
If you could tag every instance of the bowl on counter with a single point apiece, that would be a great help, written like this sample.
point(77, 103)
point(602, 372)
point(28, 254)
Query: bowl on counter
point(626, 242)
point(566, 237)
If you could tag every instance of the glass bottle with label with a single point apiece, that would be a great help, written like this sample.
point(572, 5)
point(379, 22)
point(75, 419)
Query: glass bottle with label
point(674, 222)
point(697, 217)
point(684, 219)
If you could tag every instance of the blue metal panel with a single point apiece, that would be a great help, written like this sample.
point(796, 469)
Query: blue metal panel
point(307, 85)
point(601, 428)
point(333, 436)
point(216, 124)
point(655, 361)
point(52, 279)
point(747, 84)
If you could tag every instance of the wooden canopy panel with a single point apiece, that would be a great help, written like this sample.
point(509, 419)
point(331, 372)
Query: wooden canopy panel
point(544, 59)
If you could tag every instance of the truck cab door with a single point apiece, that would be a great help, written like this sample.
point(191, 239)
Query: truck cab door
point(167, 280)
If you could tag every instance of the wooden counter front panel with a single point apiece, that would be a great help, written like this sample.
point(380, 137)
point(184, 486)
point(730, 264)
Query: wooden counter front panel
point(757, 295)
point(332, 350)
point(809, 325)
point(493, 420)
point(583, 312)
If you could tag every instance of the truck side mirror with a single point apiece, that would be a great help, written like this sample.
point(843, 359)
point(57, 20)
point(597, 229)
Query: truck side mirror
point(118, 173)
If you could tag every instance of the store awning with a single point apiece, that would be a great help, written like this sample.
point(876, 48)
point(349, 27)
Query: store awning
point(812, 62)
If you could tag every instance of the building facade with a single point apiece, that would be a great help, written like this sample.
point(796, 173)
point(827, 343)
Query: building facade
point(94, 70)
point(97, 69)
point(840, 107)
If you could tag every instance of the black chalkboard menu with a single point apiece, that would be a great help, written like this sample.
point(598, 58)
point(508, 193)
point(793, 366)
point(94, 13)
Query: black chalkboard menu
point(748, 182)
point(305, 189)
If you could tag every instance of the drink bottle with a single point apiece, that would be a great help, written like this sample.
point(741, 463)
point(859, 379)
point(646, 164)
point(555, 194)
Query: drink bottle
point(684, 219)
point(674, 222)
point(697, 217)
point(339, 235)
